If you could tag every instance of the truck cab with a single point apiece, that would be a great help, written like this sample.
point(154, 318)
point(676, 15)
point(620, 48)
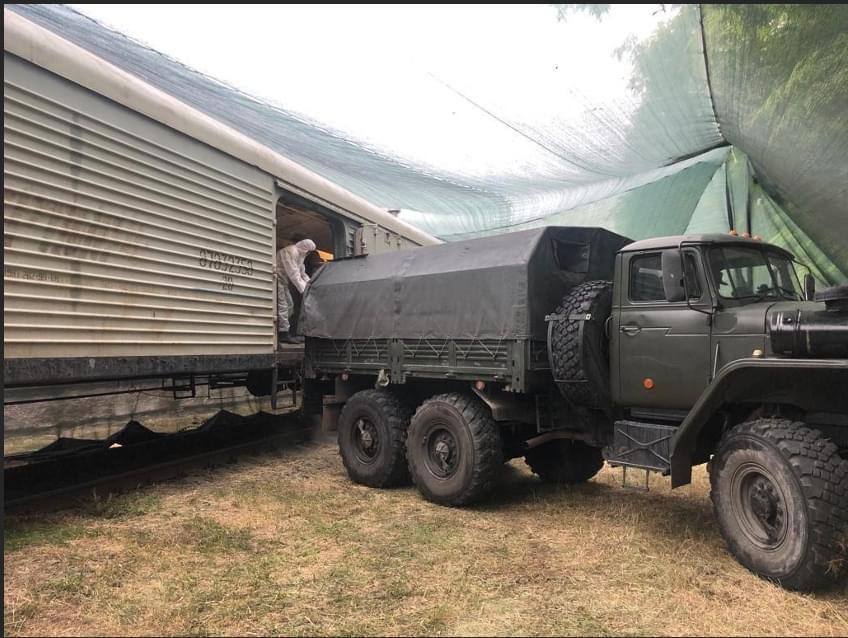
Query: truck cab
point(684, 307)
point(700, 316)
point(719, 354)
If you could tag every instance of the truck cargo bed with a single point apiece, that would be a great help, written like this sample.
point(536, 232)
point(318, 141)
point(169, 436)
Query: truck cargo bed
point(462, 359)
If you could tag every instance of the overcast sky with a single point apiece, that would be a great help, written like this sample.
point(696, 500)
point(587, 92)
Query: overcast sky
point(369, 70)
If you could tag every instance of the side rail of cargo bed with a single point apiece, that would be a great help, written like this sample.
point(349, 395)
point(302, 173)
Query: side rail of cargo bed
point(508, 361)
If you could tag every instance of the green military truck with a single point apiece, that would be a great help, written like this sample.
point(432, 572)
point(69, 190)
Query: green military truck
point(575, 346)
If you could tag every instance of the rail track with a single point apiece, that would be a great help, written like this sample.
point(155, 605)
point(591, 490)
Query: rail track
point(70, 470)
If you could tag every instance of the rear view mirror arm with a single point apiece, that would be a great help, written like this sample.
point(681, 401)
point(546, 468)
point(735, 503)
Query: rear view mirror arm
point(689, 305)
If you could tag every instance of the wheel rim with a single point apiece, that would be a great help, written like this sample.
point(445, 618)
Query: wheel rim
point(441, 452)
point(759, 506)
point(366, 440)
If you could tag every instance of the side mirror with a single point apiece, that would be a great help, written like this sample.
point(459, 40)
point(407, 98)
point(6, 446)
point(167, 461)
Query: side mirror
point(809, 287)
point(672, 275)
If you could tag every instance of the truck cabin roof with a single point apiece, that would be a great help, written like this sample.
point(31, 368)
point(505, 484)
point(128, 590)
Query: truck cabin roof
point(673, 241)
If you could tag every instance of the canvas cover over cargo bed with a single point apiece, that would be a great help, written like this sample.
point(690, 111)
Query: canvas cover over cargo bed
point(497, 287)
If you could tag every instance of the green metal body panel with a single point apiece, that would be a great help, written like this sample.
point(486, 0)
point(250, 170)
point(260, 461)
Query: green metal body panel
point(668, 343)
point(817, 384)
point(514, 362)
point(707, 353)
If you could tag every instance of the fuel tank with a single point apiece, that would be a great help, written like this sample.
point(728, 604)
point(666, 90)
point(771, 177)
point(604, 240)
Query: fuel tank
point(808, 329)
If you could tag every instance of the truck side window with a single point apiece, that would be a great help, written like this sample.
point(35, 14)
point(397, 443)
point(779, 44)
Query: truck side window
point(646, 278)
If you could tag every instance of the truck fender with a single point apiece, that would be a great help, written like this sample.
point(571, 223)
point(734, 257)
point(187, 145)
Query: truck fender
point(811, 384)
point(508, 406)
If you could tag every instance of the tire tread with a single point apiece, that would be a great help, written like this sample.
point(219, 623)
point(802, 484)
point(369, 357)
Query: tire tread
point(565, 340)
point(823, 477)
point(397, 415)
point(486, 441)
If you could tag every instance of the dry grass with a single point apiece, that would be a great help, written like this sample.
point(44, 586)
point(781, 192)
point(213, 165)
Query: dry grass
point(285, 544)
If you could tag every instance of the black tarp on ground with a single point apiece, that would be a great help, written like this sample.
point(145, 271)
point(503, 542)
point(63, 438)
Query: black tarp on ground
point(498, 287)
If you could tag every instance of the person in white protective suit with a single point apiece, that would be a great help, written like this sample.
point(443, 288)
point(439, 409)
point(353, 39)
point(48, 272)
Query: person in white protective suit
point(291, 271)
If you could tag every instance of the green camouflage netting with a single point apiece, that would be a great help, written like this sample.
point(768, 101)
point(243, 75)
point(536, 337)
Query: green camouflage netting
point(644, 119)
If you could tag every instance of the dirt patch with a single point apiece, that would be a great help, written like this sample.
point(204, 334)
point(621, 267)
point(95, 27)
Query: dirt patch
point(285, 544)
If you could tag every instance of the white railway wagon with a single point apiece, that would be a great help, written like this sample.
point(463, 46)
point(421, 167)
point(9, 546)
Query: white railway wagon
point(139, 234)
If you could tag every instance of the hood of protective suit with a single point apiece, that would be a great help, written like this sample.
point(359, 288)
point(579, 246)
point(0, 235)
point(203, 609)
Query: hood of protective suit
point(305, 246)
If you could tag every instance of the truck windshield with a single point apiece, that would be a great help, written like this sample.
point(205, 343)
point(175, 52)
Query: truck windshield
point(753, 273)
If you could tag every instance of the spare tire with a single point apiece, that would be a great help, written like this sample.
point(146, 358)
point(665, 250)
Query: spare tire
point(578, 347)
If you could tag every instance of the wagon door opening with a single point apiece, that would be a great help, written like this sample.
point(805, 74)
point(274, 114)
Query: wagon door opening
point(298, 218)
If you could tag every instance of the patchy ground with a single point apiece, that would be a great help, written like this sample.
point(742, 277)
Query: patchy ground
point(285, 544)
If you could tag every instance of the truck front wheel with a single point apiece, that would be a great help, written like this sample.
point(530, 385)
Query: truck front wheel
point(372, 438)
point(780, 495)
point(564, 461)
point(454, 449)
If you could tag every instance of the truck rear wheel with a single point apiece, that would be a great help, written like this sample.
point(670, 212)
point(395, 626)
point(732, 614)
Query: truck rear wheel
point(579, 348)
point(564, 461)
point(372, 438)
point(454, 449)
point(780, 495)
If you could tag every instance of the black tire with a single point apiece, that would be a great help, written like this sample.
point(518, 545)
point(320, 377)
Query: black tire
point(454, 449)
point(258, 382)
point(311, 399)
point(566, 462)
point(372, 438)
point(582, 357)
point(780, 496)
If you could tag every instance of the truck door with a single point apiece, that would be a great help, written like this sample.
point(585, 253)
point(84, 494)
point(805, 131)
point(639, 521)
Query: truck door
point(663, 347)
